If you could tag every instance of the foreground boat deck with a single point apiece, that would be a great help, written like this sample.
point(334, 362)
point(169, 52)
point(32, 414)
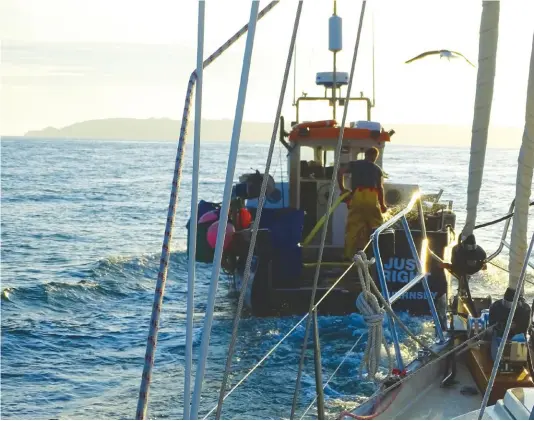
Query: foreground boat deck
point(439, 403)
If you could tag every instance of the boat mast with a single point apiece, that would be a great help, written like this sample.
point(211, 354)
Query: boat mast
point(523, 189)
point(487, 57)
point(467, 257)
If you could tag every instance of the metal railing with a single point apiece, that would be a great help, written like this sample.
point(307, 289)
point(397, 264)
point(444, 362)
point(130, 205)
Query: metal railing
point(503, 243)
point(421, 269)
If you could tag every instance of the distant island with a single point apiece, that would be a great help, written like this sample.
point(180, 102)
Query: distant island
point(154, 129)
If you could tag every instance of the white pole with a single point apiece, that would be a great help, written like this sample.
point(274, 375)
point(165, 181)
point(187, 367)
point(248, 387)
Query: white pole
point(259, 210)
point(523, 187)
point(194, 213)
point(221, 233)
point(152, 340)
point(487, 56)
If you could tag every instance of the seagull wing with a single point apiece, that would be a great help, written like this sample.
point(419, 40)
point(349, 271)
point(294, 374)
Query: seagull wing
point(464, 57)
point(421, 56)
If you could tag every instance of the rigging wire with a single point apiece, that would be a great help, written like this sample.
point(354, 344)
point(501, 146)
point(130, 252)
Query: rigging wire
point(334, 373)
point(261, 202)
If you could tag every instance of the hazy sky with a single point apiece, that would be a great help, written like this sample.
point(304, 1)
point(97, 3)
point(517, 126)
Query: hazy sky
point(65, 61)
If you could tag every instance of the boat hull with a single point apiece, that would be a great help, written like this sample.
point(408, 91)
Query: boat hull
point(269, 295)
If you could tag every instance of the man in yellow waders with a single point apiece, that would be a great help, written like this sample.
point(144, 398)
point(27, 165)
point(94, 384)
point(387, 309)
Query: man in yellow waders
point(366, 203)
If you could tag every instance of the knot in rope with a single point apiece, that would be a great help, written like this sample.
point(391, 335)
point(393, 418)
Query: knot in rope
point(373, 315)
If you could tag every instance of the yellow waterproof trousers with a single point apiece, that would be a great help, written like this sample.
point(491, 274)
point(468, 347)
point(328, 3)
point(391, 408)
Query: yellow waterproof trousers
point(364, 215)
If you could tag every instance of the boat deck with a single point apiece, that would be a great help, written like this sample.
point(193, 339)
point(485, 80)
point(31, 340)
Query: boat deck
point(438, 403)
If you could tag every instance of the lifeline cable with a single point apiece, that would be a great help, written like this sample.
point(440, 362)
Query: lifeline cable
point(507, 271)
point(496, 221)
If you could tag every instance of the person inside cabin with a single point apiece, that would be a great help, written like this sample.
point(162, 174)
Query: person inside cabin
point(366, 202)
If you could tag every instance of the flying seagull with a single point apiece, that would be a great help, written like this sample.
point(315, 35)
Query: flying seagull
point(442, 53)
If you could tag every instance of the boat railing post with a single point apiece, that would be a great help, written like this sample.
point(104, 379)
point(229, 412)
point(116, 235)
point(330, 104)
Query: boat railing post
point(422, 270)
point(385, 293)
point(421, 213)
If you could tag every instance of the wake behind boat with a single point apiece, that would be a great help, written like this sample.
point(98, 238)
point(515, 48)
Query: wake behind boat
point(288, 257)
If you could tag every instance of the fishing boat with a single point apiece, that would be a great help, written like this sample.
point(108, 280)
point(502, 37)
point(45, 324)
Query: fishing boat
point(289, 240)
point(480, 362)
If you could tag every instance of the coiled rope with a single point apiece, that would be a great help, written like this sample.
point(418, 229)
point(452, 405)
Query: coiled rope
point(373, 315)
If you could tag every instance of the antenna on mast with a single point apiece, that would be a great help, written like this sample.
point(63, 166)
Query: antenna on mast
point(334, 44)
point(295, 75)
point(373, 31)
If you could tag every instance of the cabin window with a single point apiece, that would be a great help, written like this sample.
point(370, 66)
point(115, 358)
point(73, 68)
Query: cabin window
point(316, 163)
point(306, 153)
point(329, 158)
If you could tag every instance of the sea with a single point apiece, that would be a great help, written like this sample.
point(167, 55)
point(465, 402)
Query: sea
point(82, 225)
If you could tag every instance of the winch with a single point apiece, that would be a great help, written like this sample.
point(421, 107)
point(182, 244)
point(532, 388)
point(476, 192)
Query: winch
point(467, 257)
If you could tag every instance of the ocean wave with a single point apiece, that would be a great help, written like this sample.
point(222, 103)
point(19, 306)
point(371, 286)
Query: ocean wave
point(112, 277)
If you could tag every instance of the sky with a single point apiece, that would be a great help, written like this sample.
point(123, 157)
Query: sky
point(64, 61)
